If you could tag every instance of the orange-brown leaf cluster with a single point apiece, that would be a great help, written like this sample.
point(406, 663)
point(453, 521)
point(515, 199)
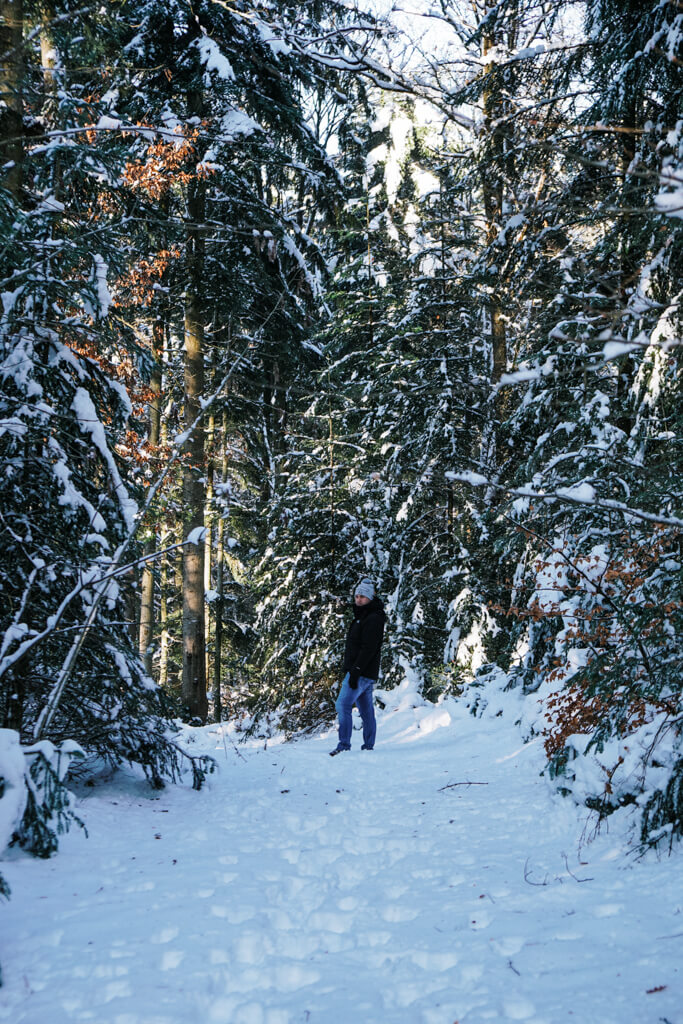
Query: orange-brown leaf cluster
point(138, 283)
point(165, 164)
point(119, 368)
point(574, 710)
point(611, 612)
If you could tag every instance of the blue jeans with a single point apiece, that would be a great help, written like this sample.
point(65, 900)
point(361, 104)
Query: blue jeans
point(362, 698)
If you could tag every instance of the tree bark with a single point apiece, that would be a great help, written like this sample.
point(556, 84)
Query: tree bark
point(493, 197)
point(11, 95)
point(146, 630)
point(208, 539)
point(194, 653)
point(48, 48)
point(194, 647)
point(220, 579)
point(164, 639)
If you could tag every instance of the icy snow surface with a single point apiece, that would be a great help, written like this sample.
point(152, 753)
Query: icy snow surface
point(435, 879)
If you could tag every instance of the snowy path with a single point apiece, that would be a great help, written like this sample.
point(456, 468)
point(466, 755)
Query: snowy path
point(301, 888)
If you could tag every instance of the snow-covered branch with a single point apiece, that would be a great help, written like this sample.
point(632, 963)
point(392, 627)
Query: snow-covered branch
point(578, 495)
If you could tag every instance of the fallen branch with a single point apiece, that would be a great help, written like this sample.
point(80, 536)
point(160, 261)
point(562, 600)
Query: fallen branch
point(527, 875)
point(452, 784)
point(570, 872)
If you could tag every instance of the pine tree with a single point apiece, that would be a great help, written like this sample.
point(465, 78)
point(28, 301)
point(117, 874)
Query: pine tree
point(597, 577)
point(68, 503)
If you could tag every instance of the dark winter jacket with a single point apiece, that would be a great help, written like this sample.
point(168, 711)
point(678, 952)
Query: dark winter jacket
point(363, 641)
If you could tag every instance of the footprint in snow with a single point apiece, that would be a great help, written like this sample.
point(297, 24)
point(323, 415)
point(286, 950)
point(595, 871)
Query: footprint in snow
point(251, 948)
point(116, 990)
point(165, 935)
point(507, 946)
point(233, 915)
point(431, 961)
point(171, 959)
point(397, 914)
point(480, 919)
point(608, 910)
point(140, 887)
point(105, 971)
point(348, 903)
point(296, 945)
point(290, 977)
point(373, 939)
point(518, 1009)
point(280, 920)
point(394, 892)
point(326, 921)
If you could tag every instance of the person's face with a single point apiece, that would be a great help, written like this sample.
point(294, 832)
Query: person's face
point(361, 599)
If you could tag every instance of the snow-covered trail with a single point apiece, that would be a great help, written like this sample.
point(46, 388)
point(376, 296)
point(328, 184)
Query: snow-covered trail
point(371, 887)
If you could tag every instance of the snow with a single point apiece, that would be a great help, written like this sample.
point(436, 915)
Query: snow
point(583, 493)
point(71, 496)
point(211, 56)
point(107, 123)
point(12, 785)
point(615, 349)
point(439, 878)
point(103, 294)
point(89, 423)
point(671, 203)
point(236, 123)
point(13, 425)
point(468, 477)
point(196, 536)
point(278, 46)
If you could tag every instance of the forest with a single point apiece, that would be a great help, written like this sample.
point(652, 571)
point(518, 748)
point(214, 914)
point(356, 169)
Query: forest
point(299, 292)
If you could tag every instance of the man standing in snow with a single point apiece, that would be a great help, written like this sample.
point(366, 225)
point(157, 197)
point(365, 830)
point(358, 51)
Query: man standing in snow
point(361, 666)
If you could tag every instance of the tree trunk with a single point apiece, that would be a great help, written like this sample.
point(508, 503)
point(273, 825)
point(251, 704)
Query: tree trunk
point(493, 198)
point(220, 576)
point(194, 648)
point(194, 653)
point(494, 107)
point(146, 631)
point(163, 611)
point(208, 539)
point(48, 48)
point(11, 95)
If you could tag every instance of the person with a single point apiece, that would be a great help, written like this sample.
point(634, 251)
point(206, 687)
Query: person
point(361, 667)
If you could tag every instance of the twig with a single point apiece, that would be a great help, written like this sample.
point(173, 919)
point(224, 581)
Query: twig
point(570, 872)
point(527, 874)
point(233, 745)
point(452, 784)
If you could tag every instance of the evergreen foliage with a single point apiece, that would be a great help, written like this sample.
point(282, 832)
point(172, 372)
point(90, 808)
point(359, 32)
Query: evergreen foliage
point(49, 806)
point(440, 347)
point(67, 501)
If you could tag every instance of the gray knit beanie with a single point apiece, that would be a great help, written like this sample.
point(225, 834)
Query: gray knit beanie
point(366, 588)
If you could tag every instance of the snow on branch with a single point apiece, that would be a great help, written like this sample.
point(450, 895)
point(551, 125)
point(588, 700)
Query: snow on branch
point(89, 422)
point(580, 494)
point(100, 583)
point(671, 202)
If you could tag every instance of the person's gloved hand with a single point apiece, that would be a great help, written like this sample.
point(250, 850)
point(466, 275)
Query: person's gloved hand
point(354, 676)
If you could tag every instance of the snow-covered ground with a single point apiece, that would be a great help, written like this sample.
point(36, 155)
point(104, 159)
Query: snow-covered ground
point(434, 880)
